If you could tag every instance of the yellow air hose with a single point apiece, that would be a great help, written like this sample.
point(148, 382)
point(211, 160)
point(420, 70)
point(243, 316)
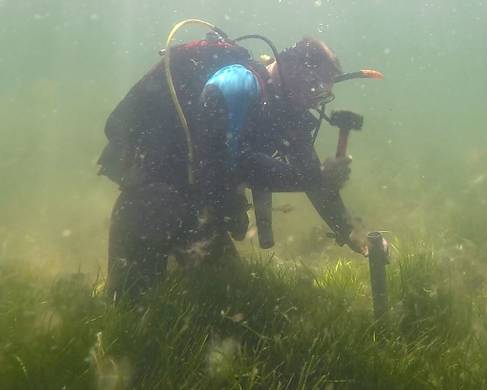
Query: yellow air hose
point(172, 90)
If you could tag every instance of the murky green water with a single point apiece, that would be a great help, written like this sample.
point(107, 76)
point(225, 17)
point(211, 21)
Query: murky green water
point(419, 164)
point(419, 173)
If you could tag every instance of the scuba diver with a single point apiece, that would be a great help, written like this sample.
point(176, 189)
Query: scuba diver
point(202, 125)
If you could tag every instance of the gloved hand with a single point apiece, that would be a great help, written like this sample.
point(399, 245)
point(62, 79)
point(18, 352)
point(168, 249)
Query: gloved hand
point(356, 240)
point(358, 243)
point(336, 171)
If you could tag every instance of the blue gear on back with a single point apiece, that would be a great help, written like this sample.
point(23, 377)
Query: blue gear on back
point(240, 89)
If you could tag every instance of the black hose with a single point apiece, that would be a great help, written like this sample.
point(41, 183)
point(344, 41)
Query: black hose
point(349, 76)
point(274, 52)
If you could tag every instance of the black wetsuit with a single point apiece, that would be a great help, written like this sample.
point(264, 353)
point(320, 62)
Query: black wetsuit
point(158, 213)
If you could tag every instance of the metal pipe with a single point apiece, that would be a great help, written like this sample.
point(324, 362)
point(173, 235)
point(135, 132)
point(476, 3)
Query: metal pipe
point(378, 258)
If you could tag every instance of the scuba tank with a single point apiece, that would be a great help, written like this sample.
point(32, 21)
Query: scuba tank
point(262, 199)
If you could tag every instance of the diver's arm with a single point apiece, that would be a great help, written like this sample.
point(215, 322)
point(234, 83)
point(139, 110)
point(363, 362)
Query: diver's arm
point(301, 175)
point(332, 210)
point(325, 197)
point(260, 170)
point(298, 170)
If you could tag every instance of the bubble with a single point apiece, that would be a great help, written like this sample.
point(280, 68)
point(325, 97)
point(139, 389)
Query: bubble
point(387, 51)
point(317, 3)
point(323, 27)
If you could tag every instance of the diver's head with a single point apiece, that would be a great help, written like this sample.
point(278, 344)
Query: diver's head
point(309, 69)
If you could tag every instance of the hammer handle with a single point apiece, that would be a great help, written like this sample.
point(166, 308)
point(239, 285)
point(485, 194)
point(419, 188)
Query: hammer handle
point(342, 143)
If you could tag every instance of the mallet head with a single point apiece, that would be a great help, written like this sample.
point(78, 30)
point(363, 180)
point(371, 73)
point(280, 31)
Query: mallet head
point(346, 120)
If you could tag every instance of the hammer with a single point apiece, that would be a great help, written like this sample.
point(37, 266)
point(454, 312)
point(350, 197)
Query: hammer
point(345, 121)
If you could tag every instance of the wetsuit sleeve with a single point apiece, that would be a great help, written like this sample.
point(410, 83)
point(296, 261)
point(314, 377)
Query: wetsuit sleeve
point(304, 164)
point(332, 210)
point(298, 172)
point(326, 200)
point(265, 172)
point(302, 174)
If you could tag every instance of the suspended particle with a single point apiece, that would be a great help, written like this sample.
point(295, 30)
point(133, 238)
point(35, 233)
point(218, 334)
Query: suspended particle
point(322, 27)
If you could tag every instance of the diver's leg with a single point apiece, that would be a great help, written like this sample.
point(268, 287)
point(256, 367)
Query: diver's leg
point(134, 264)
point(145, 225)
point(209, 244)
point(225, 248)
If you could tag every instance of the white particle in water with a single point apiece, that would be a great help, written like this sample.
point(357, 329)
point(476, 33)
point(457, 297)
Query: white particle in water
point(323, 27)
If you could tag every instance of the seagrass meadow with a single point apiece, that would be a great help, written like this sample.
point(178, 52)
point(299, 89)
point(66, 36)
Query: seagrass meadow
point(299, 315)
